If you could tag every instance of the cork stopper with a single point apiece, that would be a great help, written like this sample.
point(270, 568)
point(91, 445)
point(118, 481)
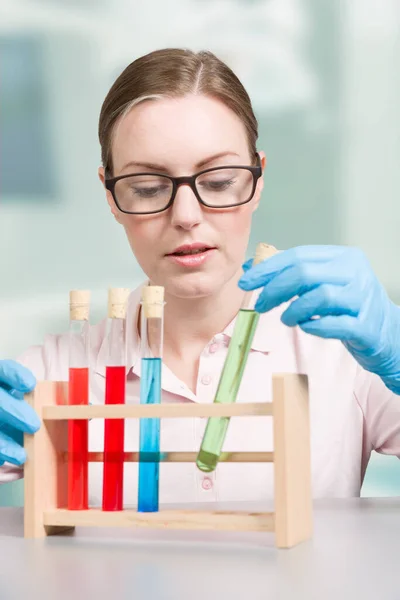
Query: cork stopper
point(79, 304)
point(153, 301)
point(117, 301)
point(263, 251)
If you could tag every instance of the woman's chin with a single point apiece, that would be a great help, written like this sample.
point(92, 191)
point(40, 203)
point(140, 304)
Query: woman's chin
point(193, 285)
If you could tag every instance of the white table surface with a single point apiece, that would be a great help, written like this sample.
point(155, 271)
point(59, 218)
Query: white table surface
point(354, 553)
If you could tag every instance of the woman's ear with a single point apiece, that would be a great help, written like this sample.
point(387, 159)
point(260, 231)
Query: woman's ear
point(260, 182)
point(116, 213)
point(263, 160)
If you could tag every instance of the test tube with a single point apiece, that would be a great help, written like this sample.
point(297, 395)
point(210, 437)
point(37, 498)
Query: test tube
point(232, 372)
point(114, 429)
point(78, 393)
point(152, 323)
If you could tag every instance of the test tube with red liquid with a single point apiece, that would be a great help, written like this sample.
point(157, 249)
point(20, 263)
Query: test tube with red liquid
point(78, 393)
point(114, 429)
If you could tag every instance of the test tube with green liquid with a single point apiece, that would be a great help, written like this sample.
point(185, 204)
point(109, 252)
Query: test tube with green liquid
point(231, 376)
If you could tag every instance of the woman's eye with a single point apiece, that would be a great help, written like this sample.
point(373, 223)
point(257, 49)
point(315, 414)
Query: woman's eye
point(149, 192)
point(217, 185)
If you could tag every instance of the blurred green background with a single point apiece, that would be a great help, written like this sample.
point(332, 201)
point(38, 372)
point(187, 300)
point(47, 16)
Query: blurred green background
point(325, 84)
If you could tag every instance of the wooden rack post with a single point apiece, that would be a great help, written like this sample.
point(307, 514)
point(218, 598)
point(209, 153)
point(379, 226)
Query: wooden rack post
point(45, 510)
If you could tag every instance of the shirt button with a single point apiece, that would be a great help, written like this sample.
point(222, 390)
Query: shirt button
point(213, 348)
point(206, 380)
point(207, 483)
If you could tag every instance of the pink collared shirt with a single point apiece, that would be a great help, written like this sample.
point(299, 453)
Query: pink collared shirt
point(351, 412)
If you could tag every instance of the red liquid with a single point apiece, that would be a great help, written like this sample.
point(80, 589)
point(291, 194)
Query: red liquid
point(113, 479)
point(78, 442)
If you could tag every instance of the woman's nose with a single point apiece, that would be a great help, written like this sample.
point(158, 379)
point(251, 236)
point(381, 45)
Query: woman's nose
point(186, 211)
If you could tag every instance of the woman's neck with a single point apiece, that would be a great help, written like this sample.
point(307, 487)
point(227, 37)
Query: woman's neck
point(190, 323)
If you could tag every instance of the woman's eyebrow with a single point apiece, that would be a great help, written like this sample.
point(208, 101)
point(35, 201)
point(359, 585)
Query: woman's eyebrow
point(144, 165)
point(214, 157)
point(163, 169)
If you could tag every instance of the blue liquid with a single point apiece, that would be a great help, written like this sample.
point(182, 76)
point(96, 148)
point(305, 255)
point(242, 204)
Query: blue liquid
point(149, 439)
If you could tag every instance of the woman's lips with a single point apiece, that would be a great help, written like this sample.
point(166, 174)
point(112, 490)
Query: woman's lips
point(192, 260)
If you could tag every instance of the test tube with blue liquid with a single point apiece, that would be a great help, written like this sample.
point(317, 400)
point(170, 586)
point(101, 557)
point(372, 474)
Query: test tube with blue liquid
point(232, 372)
point(152, 325)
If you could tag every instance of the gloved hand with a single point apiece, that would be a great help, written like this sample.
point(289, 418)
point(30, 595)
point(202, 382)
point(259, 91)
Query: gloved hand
point(338, 296)
point(16, 415)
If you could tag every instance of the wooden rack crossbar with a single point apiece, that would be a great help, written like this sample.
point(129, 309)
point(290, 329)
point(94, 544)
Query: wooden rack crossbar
point(163, 519)
point(182, 457)
point(47, 462)
point(164, 411)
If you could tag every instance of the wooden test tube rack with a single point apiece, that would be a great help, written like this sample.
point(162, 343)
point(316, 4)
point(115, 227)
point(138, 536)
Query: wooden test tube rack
point(46, 466)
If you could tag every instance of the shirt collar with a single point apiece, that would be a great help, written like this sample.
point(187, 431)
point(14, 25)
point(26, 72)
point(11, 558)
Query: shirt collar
point(261, 340)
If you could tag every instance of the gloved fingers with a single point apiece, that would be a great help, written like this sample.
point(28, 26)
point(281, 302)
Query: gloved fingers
point(16, 394)
point(340, 327)
point(16, 376)
point(262, 273)
point(17, 413)
point(247, 265)
point(323, 300)
point(15, 434)
point(295, 281)
point(10, 451)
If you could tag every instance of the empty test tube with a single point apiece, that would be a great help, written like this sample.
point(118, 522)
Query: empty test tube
point(232, 372)
point(152, 323)
point(78, 393)
point(114, 429)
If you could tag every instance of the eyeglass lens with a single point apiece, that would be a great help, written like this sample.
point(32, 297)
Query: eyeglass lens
point(217, 188)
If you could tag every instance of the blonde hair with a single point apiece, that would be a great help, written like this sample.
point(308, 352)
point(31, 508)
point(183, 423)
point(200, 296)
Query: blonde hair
point(173, 73)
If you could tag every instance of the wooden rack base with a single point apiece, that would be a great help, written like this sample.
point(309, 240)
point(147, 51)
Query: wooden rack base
point(163, 519)
point(46, 465)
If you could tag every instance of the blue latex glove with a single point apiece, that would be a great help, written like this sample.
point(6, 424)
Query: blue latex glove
point(338, 296)
point(16, 415)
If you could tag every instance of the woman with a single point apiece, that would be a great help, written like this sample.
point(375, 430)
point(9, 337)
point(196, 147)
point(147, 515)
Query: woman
point(175, 114)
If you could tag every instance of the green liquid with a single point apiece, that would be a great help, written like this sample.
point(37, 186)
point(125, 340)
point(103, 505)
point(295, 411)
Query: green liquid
point(228, 388)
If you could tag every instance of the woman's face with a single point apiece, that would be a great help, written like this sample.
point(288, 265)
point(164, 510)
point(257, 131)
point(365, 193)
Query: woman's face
point(180, 137)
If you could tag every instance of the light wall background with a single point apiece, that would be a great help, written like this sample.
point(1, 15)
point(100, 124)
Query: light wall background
point(325, 82)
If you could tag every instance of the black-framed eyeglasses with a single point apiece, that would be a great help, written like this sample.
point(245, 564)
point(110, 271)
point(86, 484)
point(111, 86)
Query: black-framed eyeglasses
point(219, 187)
